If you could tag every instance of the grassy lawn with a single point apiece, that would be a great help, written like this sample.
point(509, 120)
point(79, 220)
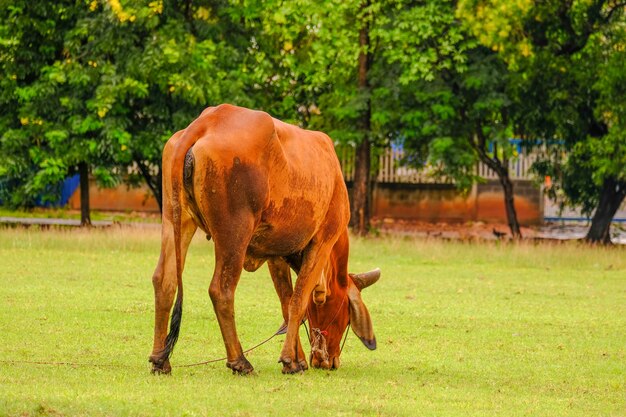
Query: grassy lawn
point(463, 329)
point(64, 213)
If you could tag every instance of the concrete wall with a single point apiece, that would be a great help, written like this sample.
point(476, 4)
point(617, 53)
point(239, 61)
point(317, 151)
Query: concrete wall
point(423, 202)
point(121, 198)
point(528, 202)
point(443, 203)
point(426, 202)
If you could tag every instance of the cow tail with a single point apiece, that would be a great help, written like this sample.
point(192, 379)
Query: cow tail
point(181, 147)
point(177, 187)
point(177, 312)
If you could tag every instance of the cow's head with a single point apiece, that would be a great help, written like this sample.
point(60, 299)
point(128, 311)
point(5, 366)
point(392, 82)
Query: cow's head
point(329, 318)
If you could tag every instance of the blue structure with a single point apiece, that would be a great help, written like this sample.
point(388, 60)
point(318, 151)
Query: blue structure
point(68, 187)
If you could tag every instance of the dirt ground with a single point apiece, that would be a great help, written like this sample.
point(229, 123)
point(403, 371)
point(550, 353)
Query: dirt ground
point(491, 231)
point(462, 231)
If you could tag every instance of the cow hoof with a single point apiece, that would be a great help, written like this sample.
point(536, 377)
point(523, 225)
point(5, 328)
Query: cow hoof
point(160, 367)
point(240, 366)
point(291, 367)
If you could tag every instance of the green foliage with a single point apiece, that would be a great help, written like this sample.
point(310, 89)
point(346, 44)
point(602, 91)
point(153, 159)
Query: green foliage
point(567, 63)
point(309, 52)
point(108, 81)
point(115, 81)
point(452, 104)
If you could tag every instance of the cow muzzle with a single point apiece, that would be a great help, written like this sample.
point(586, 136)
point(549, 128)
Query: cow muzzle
point(328, 364)
point(320, 357)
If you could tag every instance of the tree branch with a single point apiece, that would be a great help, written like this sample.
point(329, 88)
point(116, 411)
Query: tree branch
point(480, 147)
point(153, 184)
point(618, 6)
point(575, 41)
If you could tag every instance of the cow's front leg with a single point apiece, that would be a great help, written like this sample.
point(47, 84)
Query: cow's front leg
point(312, 265)
point(292, 356)
point(281, 276)
point(229, 265)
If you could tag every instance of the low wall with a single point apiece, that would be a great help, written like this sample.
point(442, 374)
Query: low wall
point(423, 202)
point(121, 198)
point(426, 202)
point(528, 202)
point(444, 203)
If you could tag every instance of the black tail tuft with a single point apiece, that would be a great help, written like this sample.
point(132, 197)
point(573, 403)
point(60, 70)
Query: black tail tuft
point(172, 336)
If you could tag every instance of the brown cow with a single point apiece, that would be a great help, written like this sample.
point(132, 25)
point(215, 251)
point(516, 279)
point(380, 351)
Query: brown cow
point(264, 191)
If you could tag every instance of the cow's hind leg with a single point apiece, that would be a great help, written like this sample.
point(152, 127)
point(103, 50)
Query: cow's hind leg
point(281, 276)
point(164, 282)
point(229, 258)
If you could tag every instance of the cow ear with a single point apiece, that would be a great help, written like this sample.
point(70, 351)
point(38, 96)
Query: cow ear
point(360, 318)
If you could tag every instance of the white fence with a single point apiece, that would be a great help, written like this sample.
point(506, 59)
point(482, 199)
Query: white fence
point(392, 170)
point(519, 168)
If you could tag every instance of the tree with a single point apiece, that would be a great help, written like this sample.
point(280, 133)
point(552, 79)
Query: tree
point(343, 82)
point(360, 213)
point(482, 109)
point(345, 65)
point(29, 41)
point(313, 62)
point(568, 60)
point(116, 82)
point(453, 107)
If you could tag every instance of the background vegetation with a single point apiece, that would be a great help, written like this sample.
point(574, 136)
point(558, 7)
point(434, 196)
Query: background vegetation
point(463, 329)
point(99, 85)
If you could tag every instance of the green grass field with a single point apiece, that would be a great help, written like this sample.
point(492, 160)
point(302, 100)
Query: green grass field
point(64, 213)
point(463, 329)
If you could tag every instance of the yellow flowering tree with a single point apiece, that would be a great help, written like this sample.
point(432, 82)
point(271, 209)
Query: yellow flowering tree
point(98, 86)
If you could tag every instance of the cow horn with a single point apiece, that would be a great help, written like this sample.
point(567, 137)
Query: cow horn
point(365, 279)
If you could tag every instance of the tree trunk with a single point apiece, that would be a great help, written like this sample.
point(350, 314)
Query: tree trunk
point(360, 213)
point(509, 204)
point(611, 197)
point(501, 168)
point(85, 217)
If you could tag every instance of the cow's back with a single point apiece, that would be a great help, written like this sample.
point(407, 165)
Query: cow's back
point(279, 178)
